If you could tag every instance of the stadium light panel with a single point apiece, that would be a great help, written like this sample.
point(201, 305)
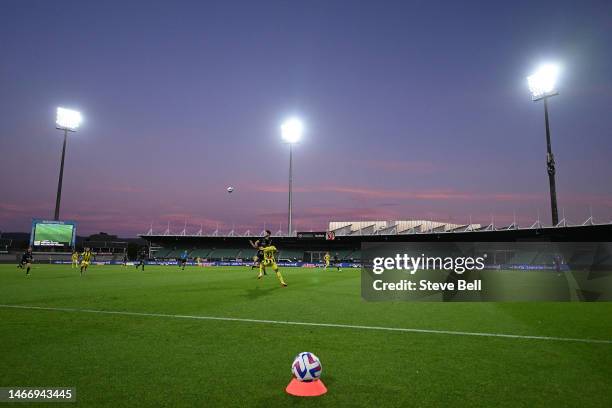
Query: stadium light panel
point(68, 119)
point(542, 82)
point(292, 130)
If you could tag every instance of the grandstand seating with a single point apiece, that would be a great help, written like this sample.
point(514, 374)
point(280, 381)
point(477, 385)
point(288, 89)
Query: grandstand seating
point(201, 253)
point(162, 253)
point(247, 253)
point(544, 258)
point(582, 258)
point(224, 254)
point(362, 228)
point(291, 254)
point(176, 253)
point(523, 258)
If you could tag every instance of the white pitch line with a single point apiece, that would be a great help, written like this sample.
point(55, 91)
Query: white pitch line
point(333, 325)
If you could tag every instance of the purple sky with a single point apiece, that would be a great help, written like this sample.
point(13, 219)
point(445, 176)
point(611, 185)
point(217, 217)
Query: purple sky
point(413, 110)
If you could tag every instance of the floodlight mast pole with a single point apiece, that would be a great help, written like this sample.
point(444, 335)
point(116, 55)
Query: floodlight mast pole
point(291, 131)
point(290, 188)
point(58, 197)
point(550, 166)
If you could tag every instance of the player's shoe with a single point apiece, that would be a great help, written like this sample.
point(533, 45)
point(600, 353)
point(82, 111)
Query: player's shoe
point(284, 285)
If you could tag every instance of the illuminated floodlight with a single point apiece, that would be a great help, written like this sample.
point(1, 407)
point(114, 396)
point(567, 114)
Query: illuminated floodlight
point(542, 82)
point(68, 119)
point(292, 130)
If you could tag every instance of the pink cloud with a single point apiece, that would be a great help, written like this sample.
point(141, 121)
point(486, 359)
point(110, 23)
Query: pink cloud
point(402, 194)
point(126, 189)
point(421, 167)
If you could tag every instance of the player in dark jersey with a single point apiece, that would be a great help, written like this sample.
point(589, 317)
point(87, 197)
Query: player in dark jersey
point(269, 257)
point(337, 262)
point(26, 261)
point(183, 259)
point(261, 243)
point(258, 258)
point(142, 256)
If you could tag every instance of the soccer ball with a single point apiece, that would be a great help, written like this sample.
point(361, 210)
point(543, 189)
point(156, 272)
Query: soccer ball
point(306, 367)
point(230, 189)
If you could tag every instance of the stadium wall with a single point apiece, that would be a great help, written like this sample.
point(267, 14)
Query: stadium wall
point(585, 233)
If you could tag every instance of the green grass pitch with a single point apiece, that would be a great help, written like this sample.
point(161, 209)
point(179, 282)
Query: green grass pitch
point(122, 360)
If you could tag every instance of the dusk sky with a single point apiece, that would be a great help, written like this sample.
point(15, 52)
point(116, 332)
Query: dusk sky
point(413, 109)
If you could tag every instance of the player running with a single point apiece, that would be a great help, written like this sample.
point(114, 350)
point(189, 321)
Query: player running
point(326, 258)
point(142, 256)
point(85, 260)
point(125, 259)
point(269, 253)
point(26, 260)
point(258, 258)
point(183, 259)
point(337, 262)
point(75, 259)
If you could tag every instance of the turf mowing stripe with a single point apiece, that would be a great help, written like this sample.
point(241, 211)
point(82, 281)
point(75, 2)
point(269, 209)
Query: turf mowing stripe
point(333, 325)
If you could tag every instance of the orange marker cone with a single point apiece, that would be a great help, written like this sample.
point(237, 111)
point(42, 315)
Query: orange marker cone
point(306, 388)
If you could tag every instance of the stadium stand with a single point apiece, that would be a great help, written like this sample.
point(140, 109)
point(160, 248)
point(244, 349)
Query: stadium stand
point(349, 237)
point(247, 253)
point(523, 257)
point(344, 228)
point(203, 253)
point(291, 254)
point(5, 244)
point(224, 254)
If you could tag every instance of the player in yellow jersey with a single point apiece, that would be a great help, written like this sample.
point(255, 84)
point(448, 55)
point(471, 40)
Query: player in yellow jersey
point(327, 257)
point(85, 260)
point(75, 259)
point(269, 258)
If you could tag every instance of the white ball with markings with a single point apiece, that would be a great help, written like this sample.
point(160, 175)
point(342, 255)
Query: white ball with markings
point(306, 367)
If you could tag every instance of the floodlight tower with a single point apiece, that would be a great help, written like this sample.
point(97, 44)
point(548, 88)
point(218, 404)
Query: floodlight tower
point(542, 86)
point(68, 121)
point(291, 132)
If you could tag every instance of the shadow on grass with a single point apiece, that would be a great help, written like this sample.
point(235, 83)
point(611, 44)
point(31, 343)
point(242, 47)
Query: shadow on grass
point(258, 292)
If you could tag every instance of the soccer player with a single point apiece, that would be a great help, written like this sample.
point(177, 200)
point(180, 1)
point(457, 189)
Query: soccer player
point(26, 260)
point(75, 259)
point(142, 256)
point(269, 253)
point(258, 258)
point(125, 259)
point(85, 260)
point(327, 258)
point(337, 262)
point(183, 259)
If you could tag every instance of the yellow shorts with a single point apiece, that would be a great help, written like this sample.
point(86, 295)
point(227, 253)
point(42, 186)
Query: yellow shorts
point(84, 263)
point(269, 262)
